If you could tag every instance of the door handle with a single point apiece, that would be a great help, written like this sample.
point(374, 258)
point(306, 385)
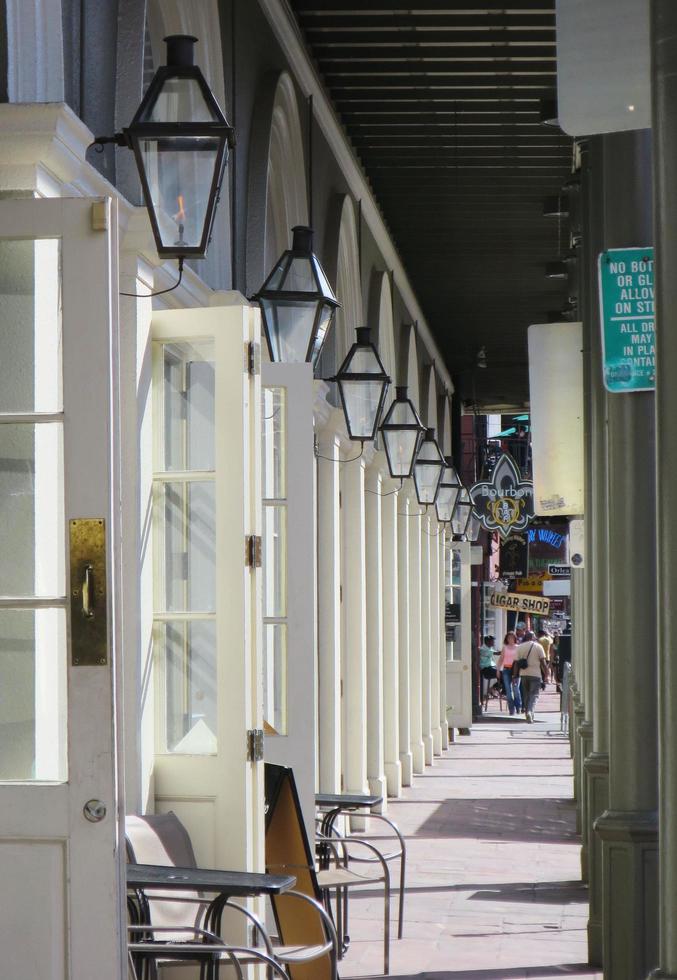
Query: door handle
point(88, 592)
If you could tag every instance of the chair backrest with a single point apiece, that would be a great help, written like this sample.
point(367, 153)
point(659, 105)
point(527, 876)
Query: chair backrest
point(288, 850)
point(161, 838)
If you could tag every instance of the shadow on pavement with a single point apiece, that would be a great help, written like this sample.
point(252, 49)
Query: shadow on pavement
point(526, 820)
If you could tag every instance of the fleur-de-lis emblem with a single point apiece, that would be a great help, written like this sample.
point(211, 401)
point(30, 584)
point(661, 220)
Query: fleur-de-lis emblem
point(506, 502)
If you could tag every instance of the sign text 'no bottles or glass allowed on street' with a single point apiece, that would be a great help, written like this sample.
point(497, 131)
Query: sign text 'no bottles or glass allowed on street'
point(626, 295)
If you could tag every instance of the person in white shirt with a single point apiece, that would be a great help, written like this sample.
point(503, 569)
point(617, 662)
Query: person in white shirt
point(531, 675)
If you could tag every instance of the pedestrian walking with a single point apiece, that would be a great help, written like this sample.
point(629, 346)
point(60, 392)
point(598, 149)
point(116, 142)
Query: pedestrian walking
point(532, 666)
point(511, 685)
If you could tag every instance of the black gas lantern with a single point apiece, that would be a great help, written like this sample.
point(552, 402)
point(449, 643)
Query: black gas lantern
point(180, 139)
point(402, 432)
point(450, 487)
point(297, 303)
point(428, 469)
point(363, 384)
point(460, 521)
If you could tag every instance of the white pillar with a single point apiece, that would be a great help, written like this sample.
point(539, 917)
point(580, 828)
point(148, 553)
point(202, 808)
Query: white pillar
point(391, 603)
point(443, 640)
point(329, 607)
point(415, 665)
point(374, 595)
point(437, 533)
point(426, 641)
point(403, 670)
point(354, 628)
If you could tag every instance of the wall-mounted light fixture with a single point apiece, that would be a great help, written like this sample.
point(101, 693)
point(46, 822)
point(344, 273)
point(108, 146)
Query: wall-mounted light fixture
point(428, 469)
point(450, 487)
point(297, 303)
point(180, 140)
point(363, 384)
point(402, 432)
point(460, 520)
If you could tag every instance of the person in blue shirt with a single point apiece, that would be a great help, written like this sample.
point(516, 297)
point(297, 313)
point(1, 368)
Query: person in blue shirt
point(488, 656)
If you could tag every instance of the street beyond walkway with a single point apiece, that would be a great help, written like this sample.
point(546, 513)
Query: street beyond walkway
point(493, 890)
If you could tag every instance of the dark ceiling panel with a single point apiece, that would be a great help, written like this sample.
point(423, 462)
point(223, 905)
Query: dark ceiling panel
point(441, 100)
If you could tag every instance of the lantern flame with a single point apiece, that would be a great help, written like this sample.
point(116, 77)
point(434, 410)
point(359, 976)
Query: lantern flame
point(181, 213)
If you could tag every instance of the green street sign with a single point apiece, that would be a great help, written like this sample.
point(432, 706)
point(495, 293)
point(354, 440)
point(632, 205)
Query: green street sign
point(626, 296)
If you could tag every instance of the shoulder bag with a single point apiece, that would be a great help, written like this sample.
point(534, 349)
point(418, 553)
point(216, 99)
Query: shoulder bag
point(523, 662)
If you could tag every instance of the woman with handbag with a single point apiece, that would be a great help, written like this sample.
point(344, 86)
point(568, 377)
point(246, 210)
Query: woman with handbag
point(531, 663)
point(511, 683)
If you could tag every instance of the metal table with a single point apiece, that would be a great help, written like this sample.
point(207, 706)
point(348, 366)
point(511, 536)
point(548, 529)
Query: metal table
point(335, 803)
point(224, 885)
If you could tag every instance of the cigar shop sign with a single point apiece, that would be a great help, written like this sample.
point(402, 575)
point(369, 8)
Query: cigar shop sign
point(505, 503)
point(513, 602)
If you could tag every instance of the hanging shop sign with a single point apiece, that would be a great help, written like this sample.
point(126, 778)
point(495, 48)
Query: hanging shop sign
point(532, 583)
point(505, 503)
point(559, 571)
point(513, 602)
point(514, 560)
point(626, 294)
point(548, 544)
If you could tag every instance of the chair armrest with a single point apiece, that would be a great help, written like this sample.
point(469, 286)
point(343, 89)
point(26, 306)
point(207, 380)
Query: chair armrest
point(205, 944)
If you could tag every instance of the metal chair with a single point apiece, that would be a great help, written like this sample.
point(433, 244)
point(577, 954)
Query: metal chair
point(162, 839)
point(327, 828)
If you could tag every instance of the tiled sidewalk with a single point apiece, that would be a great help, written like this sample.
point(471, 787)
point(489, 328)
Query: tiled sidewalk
point(493, 889)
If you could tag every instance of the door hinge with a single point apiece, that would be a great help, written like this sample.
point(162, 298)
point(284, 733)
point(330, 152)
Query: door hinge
point(255, 745)
point(252, 358)
point(100, 212)
point(252, 550)
point(340, 593)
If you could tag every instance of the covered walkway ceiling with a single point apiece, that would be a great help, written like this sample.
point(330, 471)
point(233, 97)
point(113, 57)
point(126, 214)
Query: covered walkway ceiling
point(441, 99)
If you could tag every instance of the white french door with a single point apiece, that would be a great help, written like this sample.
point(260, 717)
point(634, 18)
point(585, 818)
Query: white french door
point(289, 669)
point(60, 861)
point(458, 634)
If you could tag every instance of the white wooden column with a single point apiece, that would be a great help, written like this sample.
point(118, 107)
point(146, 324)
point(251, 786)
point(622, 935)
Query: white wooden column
point(435, 722)
point(329, 598)
point(426, 644)
point(415, 666)
point(391, 603)
point(354, 625)
point(442, 641)
point(374, 587)
point(403, 668)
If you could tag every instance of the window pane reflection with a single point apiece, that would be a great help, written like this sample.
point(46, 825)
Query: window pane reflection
point(275, 676)
point(188, 407)
point(186, 655)
point(33, 695)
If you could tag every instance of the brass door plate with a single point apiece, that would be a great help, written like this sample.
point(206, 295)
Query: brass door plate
point(89, 595)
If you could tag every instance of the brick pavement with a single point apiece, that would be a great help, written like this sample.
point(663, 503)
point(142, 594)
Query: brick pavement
point(494, 889)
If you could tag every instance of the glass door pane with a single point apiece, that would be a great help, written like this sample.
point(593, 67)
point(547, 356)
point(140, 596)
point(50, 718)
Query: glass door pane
point(185, 546)
point(32, 552)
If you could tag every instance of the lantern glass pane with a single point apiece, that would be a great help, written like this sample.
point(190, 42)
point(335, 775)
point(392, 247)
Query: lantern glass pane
point(289, 327)
point(179, 100)
point(446, 501)
point(460, 518)
point(326, 313)
point(180, 171)
point(362, 400)
point(295, 276)
point(363, 361)
point(400, 447)
point(426, 478)
point(322, 281)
